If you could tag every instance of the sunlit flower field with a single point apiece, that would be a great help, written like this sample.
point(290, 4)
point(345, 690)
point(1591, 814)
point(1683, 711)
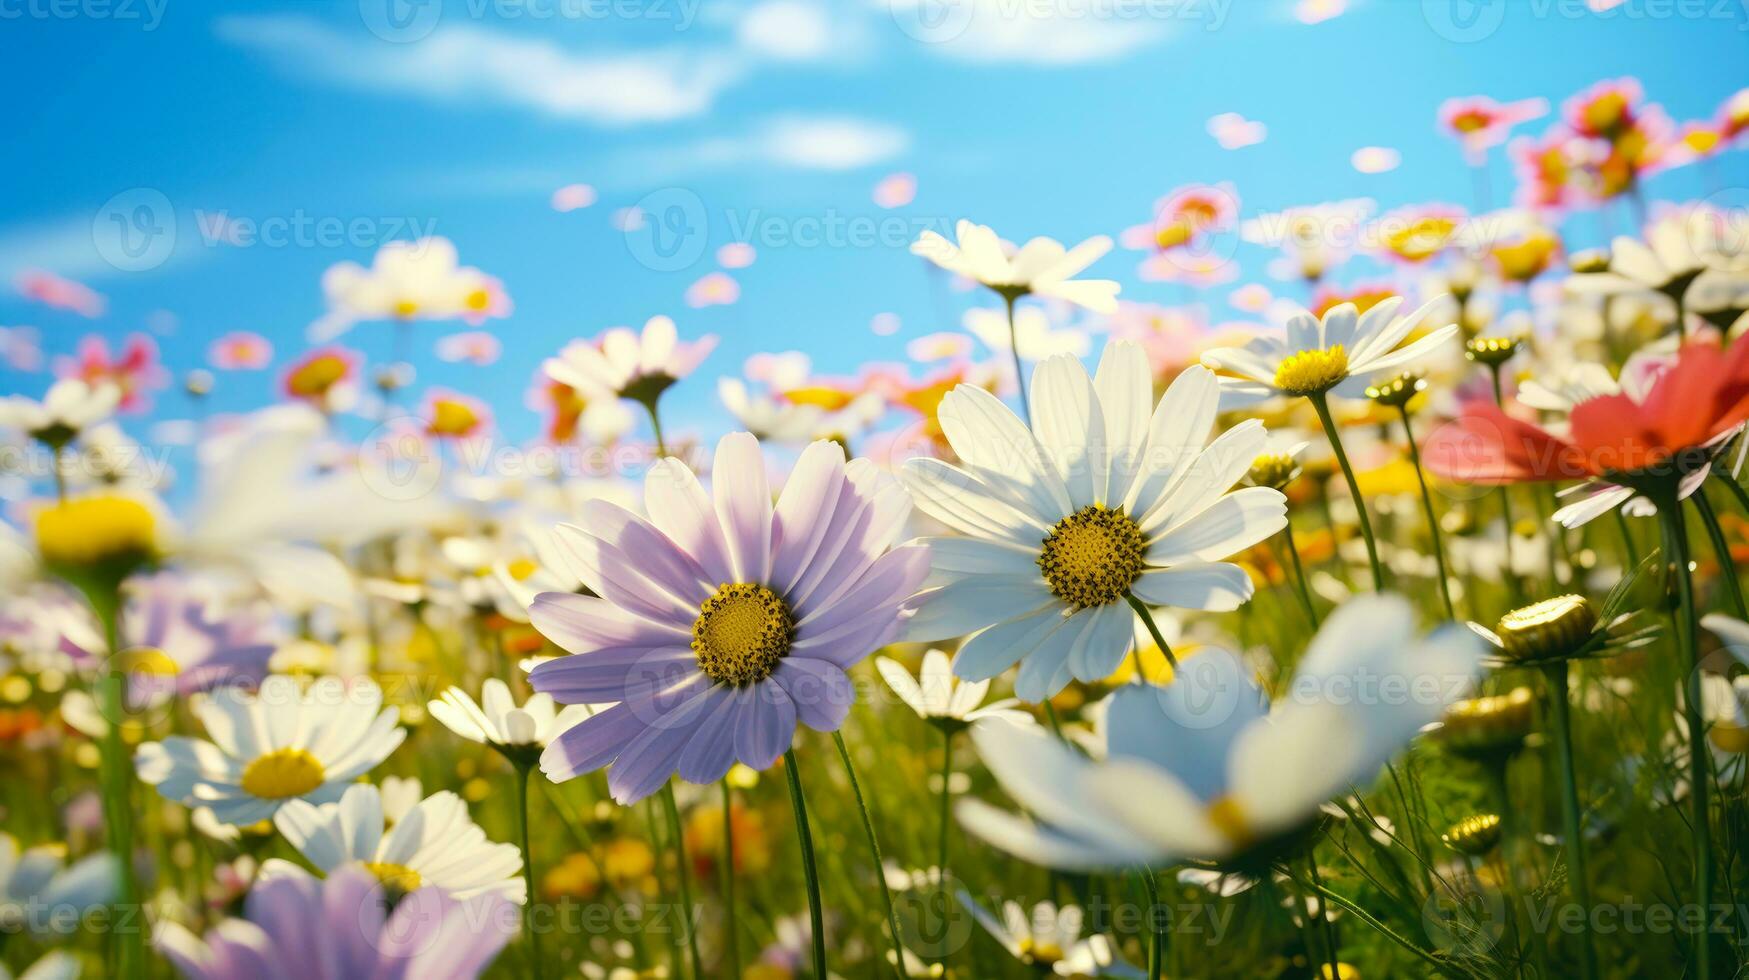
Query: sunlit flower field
point(1362, 604)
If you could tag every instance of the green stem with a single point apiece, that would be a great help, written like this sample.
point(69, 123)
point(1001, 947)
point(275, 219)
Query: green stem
point(732, 941)
point(528, 927)
point(1506, 496)
point(1432, 518)
point(1326, 926)
point(60, 475)
point(1153, 630)
point(1699, 783)
point(1014, 348)
point(685, 875)
point(946, 799)
point(816, 918)
point(1156, 923)
point(1321, 404)
point(874, 845)
point(1376, 925)
point(656, 427)
point(1571, 816)
point(1721, 550)
point(117, 777)
point(1293, 553)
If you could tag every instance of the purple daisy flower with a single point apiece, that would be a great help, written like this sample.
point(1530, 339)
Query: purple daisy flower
point(180, 639)
point(298, 926)
point(721, 621)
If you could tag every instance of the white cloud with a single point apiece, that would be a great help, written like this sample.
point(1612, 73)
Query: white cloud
point(466, 63)
point(790, 30)
point(819, 143)
point(1048, 33)
point(830, 143)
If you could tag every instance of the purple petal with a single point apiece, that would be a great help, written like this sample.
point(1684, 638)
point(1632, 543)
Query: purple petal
point(679, 506)
point(765, 725)
point(581, 623)
point(614, 576)
point(804, 511)
point(599, 739)
point(474, 933)
point(658, 558)
point(743, 498)
point(893, 578)
point(822, 692)
point(613, 674)
point(651, 759)
point(353, 913)
point(711, 751)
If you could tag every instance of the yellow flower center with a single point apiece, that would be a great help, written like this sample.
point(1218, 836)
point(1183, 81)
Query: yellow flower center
point(282, 774)
point(1092, 557)
point(820, 396)
point(521, 568)
point(1229, 818)
point(406, 308)
point(314, 377)
point(741, 633)
point(148, 660)
point(1312, 371)
point(478, 300)
point(94, 530)
point(1554, 627)
point(1729, 738)
point(1475, 835)
point(396, 876)
point(1040, 954)
point(452, 418)
point(1274, 470)
point(1421, 239)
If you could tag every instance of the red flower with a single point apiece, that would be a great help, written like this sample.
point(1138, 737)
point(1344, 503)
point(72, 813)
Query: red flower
point(1702, 395)
point(135, 371)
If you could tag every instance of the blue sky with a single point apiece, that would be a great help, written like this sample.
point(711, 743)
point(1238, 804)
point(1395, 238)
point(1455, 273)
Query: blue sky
point(778, 115)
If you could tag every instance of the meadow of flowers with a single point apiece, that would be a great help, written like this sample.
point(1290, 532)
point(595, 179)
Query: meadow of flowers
point(1396, 633)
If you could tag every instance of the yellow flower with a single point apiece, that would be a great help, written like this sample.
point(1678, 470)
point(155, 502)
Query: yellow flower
point(102, 529)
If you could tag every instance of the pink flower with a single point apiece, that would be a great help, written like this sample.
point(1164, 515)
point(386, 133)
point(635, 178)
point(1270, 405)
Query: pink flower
point(1480, 123)
point(736, 255)
point(135, 372)
point(60, 294)
point(240, 350)
point(572, 197)
point(1235, 132)
point(895, 190)
point(472, 346)
point(714, 289)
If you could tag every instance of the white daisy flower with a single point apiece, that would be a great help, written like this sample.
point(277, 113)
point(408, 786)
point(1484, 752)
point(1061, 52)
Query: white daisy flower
point(497, 720)
point(1042, 267)
point(436, 843)
point(942, 699)
point(70, 406)
point(41, 895)
point(638, 365)
point(1049, 939)
point(1205, 769)
point(1689, 253)
point(279, 744)
point(1341, 354)
point(1095, 506)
